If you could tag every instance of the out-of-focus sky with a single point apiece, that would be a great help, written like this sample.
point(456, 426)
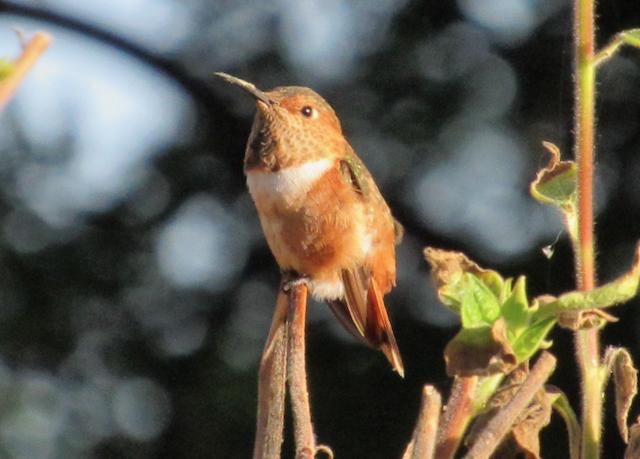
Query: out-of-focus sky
point(137, 288)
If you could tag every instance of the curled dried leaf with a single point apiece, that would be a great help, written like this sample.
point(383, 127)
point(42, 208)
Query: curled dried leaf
point(556, 185)
point(480, 352)
point(580, 320)
point(625, 379)
point(447, 266)
point(447, 269)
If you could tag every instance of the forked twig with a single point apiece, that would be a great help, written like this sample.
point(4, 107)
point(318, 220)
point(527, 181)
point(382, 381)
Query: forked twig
point(423, 441)
point(495, 430)
point(283, 365)
point(30, 54)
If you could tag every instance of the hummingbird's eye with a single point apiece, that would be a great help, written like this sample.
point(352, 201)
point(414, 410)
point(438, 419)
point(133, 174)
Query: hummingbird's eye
point(308, 112)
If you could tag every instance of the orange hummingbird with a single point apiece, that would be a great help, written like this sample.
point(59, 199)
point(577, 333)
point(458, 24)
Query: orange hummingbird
point(321, 212)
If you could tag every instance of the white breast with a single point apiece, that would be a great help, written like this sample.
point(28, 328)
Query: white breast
point(286, 186)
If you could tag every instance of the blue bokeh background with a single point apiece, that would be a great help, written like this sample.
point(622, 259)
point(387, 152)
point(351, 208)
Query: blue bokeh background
point(137, 290)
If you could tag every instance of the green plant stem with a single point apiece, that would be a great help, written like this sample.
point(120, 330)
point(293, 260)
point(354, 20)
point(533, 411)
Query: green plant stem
point(487, 386)
point(587, 341)
point(563, 407)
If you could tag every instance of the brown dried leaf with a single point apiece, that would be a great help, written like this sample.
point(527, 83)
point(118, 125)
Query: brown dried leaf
point(480, 352)
point(446, 266)
point(523, 440)
point(625, 378)
point(526, 432)
point(448, 270)
point(633, 447)
point(580, 320)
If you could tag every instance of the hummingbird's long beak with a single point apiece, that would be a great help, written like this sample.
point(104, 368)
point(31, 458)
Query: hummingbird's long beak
point(249, 87)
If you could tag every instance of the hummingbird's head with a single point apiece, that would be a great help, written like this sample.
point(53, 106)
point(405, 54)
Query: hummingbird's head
point(293, 124)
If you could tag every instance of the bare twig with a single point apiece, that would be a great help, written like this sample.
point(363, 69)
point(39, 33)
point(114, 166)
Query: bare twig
point(423, 441)
point(30, 54)
point(271, 386)
point(490, 437)
point(456, 416)
point(297, 373)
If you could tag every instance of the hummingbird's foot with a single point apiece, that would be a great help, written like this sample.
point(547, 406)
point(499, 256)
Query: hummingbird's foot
point(324, 449)
point(292, 279)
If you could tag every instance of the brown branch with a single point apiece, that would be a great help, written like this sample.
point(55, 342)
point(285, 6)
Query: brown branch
point(456, 416)
point(30, 54)
point(491, 436)
point(271, 386)
point(297, 373)
point(423, 441)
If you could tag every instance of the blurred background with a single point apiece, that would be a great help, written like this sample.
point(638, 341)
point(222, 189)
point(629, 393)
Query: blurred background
point(136, 289)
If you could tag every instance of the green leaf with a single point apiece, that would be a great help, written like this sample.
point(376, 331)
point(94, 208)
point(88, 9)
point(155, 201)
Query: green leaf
point(493, 281)
point(532, 339)
point(480, 305)
point(615, 292)
point(6, 67)
point(500, 327)
point(631, 37)
point(505, 292)
point(556, 184)
point(515, 309)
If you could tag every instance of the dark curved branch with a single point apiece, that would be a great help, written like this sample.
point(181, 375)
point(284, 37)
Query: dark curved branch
point(196, 88)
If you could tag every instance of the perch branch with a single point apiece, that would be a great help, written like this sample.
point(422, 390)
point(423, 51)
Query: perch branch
point(491, 436)
point(30, 54)
point(297, 373)
point(423, 441)
point(271, 386)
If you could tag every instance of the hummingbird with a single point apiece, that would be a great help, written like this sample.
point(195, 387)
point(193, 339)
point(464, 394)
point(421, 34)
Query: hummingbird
point(321, 212)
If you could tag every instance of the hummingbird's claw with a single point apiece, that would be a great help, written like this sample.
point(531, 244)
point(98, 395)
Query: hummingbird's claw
point(324, 449)
point(291, 279)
